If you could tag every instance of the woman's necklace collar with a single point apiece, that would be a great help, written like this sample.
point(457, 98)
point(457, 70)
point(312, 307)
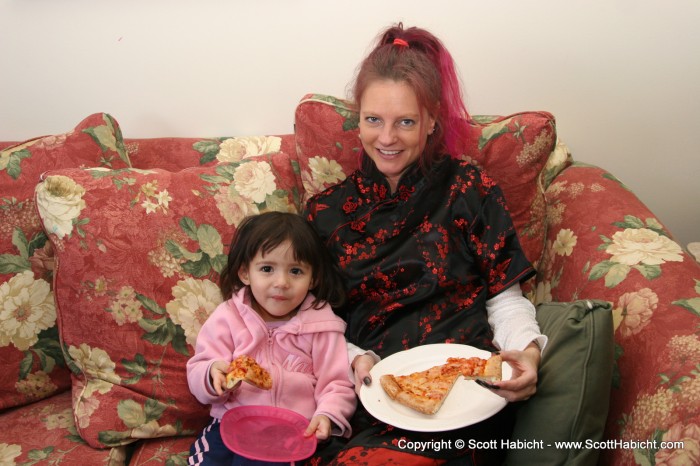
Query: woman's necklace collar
point(380, 184)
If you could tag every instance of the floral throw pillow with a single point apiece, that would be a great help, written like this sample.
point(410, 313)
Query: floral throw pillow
point(513, 149)
point(30, 355)
point(139, 253)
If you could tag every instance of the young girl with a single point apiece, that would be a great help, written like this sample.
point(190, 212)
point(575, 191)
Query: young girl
point(275, 262)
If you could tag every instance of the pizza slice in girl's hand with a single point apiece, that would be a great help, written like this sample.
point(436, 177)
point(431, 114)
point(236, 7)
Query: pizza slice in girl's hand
point(426, 391)
point(244, 368)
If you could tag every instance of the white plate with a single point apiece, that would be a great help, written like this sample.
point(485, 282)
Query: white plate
point(466, 404)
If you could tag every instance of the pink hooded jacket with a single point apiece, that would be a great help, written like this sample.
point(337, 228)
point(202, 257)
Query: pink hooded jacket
point(307, 359)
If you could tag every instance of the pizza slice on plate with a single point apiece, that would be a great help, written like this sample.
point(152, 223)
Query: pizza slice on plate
point(246, 369)
point(426, 391)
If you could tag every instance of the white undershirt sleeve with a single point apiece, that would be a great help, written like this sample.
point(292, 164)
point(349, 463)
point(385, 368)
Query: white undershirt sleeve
point(512, 318)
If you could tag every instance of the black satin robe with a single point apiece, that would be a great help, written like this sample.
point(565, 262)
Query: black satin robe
point(420, 263)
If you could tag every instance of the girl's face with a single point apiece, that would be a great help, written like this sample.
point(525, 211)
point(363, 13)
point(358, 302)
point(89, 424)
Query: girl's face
point(278, 282)
point(393, 127)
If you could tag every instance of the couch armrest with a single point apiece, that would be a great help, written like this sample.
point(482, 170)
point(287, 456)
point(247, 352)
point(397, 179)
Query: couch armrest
point(604, 243)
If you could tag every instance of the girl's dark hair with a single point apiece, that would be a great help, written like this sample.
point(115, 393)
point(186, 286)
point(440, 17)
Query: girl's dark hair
point(427, 66)
point(266, 231)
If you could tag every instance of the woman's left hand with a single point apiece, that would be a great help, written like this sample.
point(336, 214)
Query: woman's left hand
point(361, 366)
point(523, 383)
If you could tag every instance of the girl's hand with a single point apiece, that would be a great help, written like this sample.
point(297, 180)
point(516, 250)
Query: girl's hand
point(320, 425)
point(523, 383)
point(217, 376)
point(361, 366)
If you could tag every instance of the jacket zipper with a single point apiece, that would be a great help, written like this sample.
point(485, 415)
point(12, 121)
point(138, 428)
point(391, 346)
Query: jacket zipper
point(273, 366)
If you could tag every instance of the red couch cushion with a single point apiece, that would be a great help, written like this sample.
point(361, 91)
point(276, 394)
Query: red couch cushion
point(31, 360)
point(44, 433)
point(168, 451)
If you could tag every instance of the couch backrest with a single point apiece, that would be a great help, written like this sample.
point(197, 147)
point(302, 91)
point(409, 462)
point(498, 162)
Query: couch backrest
point(174, 154)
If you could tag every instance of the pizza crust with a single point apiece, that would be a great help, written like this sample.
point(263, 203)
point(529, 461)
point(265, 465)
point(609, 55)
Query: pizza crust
point(232, 381)
point(493, 371)
point(390, 385)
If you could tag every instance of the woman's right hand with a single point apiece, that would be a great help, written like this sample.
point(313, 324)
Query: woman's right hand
point(361, 366)
point(523, 383)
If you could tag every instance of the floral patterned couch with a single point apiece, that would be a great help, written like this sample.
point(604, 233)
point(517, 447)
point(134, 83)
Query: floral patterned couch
point(110, 250)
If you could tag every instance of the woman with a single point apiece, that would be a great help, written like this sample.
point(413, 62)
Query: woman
point(425, 242)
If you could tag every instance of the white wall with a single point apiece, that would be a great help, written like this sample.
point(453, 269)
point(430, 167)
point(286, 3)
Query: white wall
point(622, 77)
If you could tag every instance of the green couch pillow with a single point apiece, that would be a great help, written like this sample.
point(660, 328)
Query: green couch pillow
point(573, 387)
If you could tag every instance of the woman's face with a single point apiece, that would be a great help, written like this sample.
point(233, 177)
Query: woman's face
point(393, 127)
